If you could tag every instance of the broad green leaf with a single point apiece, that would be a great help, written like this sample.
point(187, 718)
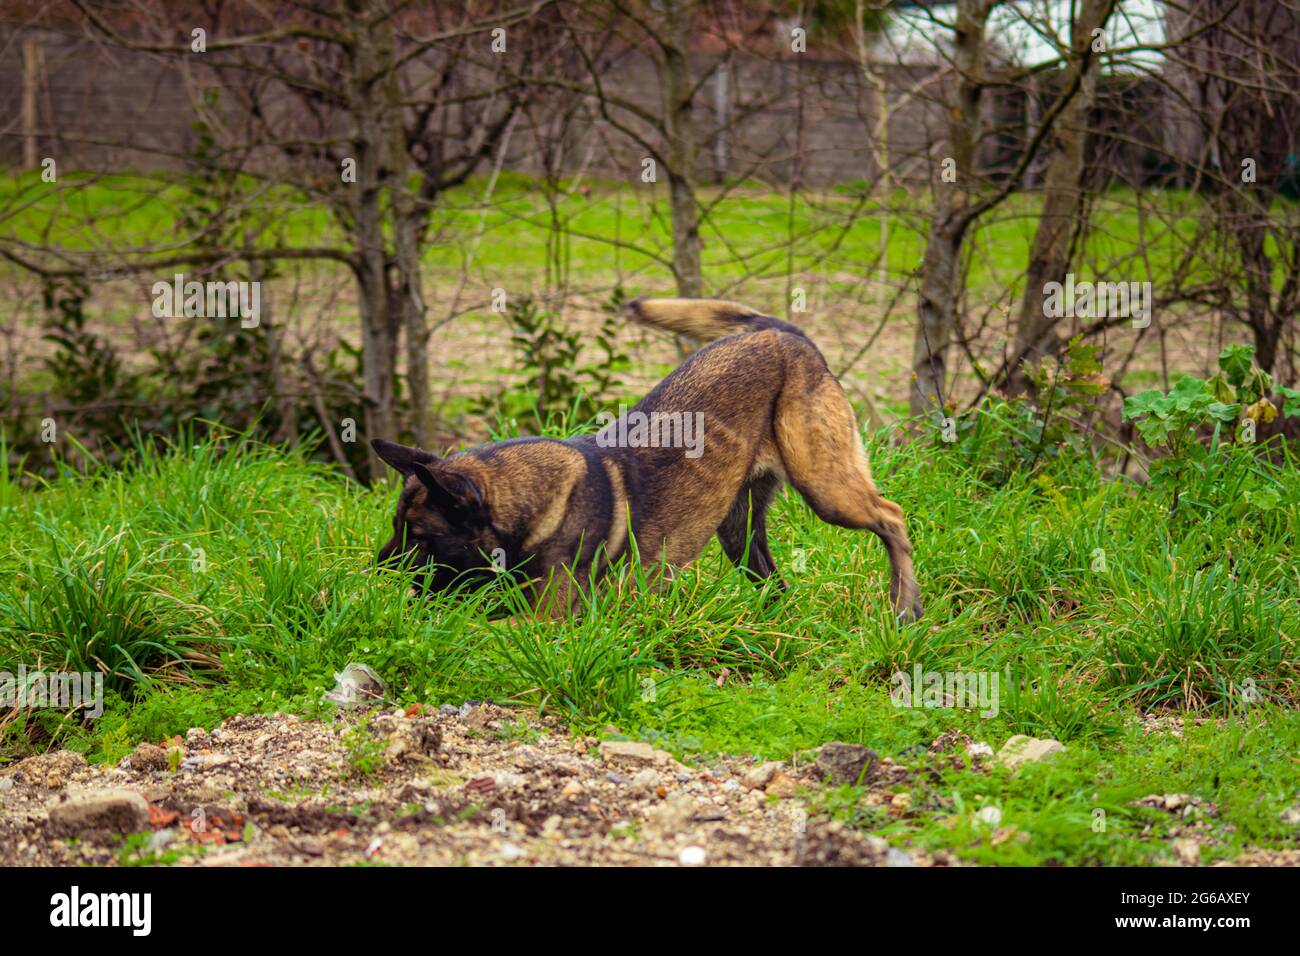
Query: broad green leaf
point(1236, 360)
point(1265, 499)
point(1224, 412)
point(1143, 403)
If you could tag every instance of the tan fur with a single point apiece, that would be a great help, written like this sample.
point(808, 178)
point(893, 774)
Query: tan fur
point(702, 319)
point(616, 538)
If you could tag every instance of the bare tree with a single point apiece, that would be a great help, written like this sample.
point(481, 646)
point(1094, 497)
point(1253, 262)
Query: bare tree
point(954, 211)
point(374, 108)
point(1061, 218)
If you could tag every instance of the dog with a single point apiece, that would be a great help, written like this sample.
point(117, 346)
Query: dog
point(769, 413)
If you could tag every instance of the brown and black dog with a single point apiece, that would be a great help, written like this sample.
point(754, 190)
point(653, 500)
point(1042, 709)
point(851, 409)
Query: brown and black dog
point(766, 410)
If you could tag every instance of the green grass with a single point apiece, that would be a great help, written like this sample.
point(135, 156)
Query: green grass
point(621, 231)
point(229, 577)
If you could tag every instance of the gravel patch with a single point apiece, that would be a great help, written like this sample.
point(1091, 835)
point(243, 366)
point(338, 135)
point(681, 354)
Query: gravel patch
point(478, 784)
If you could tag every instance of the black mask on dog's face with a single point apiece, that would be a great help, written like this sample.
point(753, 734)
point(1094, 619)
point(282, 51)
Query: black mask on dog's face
point(442, 525)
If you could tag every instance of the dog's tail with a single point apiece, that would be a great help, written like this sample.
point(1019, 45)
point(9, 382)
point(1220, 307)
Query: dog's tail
point(701, 319)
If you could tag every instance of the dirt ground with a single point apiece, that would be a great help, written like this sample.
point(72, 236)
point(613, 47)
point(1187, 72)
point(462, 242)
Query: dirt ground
point(473, 785)
point(476, 785)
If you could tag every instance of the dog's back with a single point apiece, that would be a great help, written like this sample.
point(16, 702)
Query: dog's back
point(772, 401)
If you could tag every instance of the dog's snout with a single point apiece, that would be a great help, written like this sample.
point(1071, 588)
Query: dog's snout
point(390, 555)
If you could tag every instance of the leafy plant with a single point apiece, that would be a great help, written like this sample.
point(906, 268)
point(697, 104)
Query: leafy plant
point(1175, 420)
point(549, 352)
point(1003, 436)
point(365, 750)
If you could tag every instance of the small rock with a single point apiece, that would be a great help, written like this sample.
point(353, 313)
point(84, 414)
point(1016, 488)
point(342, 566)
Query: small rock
point(979, 749)
point(1188, 850)
point(692, 856)
point(511, 852)
point(782, 785)
point(1022, 749)
point(896, 857)
point(572, 789)
point(901, 802)
point(122, 811)
point(845, 763)
point(527, 757)
point(990, 815)
point(412, 740)
point(206, 761)
point(646, 781)
point(59, 768)
point(672, 814)
point(632, 753)
point(162, 839)
point(148, 757)
point(1290, 816)
point(758, 777)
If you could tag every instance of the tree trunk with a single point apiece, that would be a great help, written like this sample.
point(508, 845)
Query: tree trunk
point(941, 267)
point(406, 287)
point(680, 146)
point(380, 321)
point(1059, 221)
point(1261, 316)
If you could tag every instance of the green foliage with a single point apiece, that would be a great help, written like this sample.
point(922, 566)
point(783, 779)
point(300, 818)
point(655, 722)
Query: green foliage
point(1195, 618)
point(1002, 437)
point(85, 368)
point(558, 378)
point(96, 606)
point(365, 749)
point(1171, 420)
point(1195, 638)
point(1236, 398)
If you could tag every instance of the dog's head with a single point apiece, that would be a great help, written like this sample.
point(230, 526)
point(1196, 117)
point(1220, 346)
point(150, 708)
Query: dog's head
point(443, 525)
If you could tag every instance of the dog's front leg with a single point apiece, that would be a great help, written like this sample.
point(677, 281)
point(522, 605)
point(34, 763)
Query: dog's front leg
point(559, 594)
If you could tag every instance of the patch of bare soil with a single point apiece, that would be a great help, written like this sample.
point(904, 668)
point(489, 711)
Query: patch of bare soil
point(475, 785)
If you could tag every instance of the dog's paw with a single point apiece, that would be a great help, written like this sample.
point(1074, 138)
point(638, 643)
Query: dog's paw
point(911, 613)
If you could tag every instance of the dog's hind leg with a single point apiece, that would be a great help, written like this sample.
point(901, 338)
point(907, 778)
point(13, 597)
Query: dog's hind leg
point(824, 459)
point(748, 514)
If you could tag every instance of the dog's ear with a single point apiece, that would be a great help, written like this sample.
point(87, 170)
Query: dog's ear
point(401, 457)
point(450, 492)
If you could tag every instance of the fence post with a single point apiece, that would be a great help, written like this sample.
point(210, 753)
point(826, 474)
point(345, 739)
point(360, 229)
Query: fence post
point(31, 82)
point(720, 114)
